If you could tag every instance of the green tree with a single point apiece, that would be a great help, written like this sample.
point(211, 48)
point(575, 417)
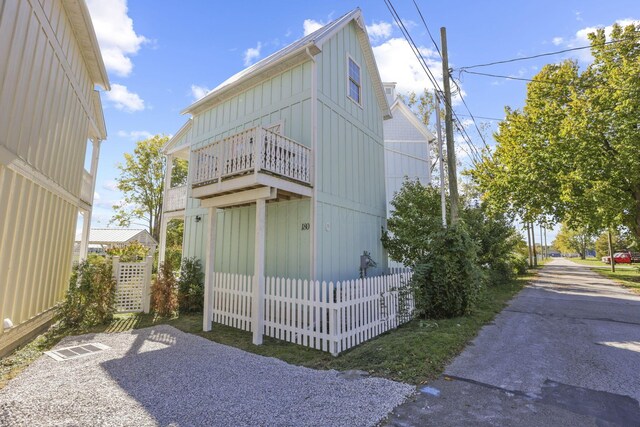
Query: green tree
point(414, 220)
point(571, 153)
point(141, 181)
point(571, 240)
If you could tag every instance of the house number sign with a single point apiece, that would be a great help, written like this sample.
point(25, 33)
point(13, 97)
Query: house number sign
point(305, 226)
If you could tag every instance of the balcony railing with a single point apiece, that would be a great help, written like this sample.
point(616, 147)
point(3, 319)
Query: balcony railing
point(175, 199)
point(85, 190)
point(252, 151)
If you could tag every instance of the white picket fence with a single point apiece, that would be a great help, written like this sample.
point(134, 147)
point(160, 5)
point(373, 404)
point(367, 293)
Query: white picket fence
point(133, 285)
point(330, 317)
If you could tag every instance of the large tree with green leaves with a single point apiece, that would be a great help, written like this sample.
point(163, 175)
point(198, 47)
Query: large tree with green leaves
point(572, 151)
point(141, 181)
point(571, 240)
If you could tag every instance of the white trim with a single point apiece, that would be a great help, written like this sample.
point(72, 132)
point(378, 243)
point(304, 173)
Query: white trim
point(410, 115)
point(360, 92)
point(314, 165)
point(24, 169)
point(277, 124)
point(241, 198)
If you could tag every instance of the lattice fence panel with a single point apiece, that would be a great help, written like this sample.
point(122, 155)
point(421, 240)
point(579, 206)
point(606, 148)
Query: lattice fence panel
point(132, 290)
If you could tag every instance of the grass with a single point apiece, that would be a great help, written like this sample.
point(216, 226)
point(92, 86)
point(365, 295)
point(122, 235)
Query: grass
point(415, 353)
point(625, 274)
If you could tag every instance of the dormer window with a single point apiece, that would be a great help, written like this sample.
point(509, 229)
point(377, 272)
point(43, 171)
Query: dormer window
point(355, 89)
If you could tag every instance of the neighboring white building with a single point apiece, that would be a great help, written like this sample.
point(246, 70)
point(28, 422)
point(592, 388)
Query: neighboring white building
point(51, 121)
point(106, 238)
point(406, 146)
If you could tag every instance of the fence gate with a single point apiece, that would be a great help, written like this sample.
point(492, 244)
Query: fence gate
point(133, 285)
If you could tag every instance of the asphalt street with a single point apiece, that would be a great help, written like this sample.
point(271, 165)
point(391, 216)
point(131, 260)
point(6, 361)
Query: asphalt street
point(565, 352)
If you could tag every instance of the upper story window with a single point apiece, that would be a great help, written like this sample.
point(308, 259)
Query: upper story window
point(355, 88)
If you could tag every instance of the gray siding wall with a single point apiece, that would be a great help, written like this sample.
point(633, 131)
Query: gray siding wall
point(350, 187)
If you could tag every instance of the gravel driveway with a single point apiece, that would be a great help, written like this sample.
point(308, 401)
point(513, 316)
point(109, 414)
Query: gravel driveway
point(162, 376)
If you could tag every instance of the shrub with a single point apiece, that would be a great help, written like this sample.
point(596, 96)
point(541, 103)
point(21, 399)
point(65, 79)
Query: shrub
point(191, 286)
point(91, 297)
point(164, 299)
point(173, 256)
point(133, 252)
point(448, 280)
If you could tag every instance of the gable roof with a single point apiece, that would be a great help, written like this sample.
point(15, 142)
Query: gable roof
point(172, 144)
point(82, 25)
point(114, 235)
point(400, 107)
point(293, 54)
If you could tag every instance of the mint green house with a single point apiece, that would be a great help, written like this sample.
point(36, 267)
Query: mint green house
point(286, 163)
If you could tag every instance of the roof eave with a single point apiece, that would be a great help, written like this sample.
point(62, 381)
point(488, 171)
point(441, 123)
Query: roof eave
point(80, 19)
point(295, 57)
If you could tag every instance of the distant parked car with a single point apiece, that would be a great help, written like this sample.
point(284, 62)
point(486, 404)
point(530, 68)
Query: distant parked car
point(619, 258)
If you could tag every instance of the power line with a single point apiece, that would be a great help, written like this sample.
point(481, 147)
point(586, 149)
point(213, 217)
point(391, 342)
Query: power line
point(427, 27)
point(432, 78)
point(551, 82)
point(483, 118)
point(540, 55)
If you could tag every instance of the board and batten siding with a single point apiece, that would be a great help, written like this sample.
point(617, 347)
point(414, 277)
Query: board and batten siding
point(351, 206)
point(286, 243)
point(286, 98)
point(404, 147)
point(47, 115)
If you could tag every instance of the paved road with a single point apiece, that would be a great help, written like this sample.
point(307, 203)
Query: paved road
point(565, 352)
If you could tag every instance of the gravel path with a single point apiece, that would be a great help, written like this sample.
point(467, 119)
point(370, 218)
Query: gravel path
point(162, 376)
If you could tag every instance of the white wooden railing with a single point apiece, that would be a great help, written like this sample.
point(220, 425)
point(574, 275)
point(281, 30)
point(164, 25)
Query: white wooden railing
point(237, 155)
point(175, 199)
point(87, 184)
point(330, 317)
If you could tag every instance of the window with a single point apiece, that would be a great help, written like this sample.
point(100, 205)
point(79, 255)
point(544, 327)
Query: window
point(354, 81)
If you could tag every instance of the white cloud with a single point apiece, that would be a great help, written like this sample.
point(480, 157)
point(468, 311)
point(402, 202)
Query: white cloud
point(96, 196)
point(199, 91)
point(397, 63)
point(115, 33)
point(380, 30)
point(124, 100)
point(581, 38)
point(251, 54)
point(310, 25)
point(557, 41)
point(135, 135)
point(110, 185)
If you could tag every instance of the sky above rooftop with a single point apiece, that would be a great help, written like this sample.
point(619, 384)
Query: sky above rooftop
point(163, 55)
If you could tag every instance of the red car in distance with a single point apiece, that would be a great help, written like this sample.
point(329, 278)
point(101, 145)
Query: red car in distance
point(619, 258)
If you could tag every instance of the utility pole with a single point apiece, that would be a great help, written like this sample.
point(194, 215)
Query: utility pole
point(529, 245)
point(443, 200)
point(611, 260)
point(448, 121)
point(542, 248)
point(533, 243)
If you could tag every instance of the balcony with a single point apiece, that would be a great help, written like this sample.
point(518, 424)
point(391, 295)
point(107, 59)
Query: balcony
point(175, 199)
point(250, 160)
point(86, 188)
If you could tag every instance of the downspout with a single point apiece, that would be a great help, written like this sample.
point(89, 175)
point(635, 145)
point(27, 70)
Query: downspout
point(314, 165)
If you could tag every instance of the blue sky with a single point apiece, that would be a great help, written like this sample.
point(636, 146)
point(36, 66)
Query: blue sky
point(162, 55)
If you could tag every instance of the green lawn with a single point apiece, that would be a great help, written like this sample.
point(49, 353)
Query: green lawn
point(415, 353)
point(627, 275)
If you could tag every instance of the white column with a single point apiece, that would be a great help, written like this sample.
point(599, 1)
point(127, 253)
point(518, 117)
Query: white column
point(163, 239)
point(86, 215)
point(209, 273)
point(257, 315)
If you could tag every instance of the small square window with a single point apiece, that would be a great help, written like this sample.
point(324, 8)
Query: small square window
point(354, 81)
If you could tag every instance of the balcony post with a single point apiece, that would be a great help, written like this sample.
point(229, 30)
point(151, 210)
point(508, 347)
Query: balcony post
point(257, 315)
point(257, 149)
point(209, 273)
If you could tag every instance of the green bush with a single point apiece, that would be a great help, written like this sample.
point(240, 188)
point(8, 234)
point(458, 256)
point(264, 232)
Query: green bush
point(173, 257)
point(91, 297)
point(164, 299)
point(133, 252)
point(191, 286)
point(447, 281)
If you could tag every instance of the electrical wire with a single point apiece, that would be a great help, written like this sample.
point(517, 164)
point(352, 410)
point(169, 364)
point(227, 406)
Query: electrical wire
point(540, 55)
point(474, 154)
